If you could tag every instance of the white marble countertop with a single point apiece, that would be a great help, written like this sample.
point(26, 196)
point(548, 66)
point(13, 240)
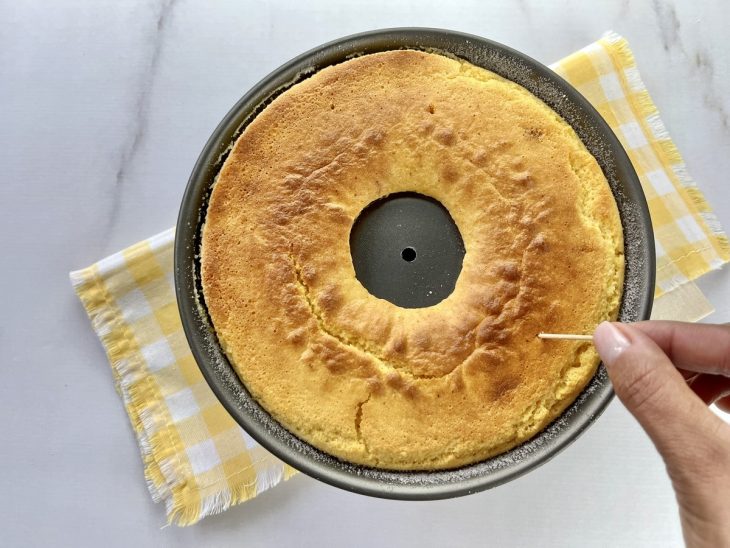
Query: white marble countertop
point(104, 107)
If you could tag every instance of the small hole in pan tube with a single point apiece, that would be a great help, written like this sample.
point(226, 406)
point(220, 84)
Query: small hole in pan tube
point(408, 254)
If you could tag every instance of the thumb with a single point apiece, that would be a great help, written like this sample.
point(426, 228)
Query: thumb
point(653, 390)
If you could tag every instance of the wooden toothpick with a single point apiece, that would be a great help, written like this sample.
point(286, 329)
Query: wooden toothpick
point(565, 336)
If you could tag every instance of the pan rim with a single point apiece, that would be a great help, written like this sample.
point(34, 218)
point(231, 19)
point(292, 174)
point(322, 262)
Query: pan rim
point(375, 482)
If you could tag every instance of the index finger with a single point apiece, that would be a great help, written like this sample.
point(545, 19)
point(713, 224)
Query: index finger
point(704, 348)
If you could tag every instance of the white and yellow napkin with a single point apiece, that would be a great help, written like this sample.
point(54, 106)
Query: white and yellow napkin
point(199, 461)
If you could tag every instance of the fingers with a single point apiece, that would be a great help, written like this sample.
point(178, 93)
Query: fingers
point(702, 348)
point(654, 391)
point(710, 388)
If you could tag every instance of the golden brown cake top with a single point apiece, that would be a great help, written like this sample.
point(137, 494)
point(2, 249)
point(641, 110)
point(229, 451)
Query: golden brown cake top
point(358, 376)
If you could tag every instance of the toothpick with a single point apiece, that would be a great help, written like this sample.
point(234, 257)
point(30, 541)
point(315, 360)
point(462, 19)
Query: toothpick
point(565, 336)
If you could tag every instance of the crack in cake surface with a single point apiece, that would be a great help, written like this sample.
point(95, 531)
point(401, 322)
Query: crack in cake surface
point(349, 342)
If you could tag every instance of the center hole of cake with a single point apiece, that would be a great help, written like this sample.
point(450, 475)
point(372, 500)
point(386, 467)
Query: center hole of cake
point(407, 249)
point(408, 254)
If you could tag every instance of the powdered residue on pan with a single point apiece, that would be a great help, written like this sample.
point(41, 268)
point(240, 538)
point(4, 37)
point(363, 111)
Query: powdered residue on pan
point(542, 446)
point(598, 139)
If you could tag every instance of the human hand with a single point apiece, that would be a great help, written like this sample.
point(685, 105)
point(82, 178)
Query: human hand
point(666, 373)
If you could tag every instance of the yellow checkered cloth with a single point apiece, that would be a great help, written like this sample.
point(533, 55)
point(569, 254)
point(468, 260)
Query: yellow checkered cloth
point(689, 239)
point(197, 459)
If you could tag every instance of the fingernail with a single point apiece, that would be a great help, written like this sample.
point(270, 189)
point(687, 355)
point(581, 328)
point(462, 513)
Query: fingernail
point(610, 342)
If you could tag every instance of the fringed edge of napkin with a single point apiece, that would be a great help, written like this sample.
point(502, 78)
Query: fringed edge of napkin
point(184, 504)
point(672, 157)
point(113, 333)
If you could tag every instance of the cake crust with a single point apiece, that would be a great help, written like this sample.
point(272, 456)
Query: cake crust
point(357, 376)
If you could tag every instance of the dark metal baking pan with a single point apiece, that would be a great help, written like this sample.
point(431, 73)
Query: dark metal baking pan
point(542, 82)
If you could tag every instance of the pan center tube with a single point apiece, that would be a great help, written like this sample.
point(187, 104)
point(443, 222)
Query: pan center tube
point(407, 249)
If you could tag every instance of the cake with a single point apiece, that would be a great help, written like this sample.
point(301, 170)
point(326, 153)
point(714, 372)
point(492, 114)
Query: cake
point(356, 376)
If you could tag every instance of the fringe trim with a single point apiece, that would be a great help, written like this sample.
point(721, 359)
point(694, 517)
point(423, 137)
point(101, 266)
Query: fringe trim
point(157, 446)
point(694, 198)
point(215, 500)
point(186, 503)
point(289, 472)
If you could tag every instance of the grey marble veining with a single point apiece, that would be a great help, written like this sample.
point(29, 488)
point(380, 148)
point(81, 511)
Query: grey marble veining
point(668, 22)
point(154, 44)
point(104, 107)
point(700, 59)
